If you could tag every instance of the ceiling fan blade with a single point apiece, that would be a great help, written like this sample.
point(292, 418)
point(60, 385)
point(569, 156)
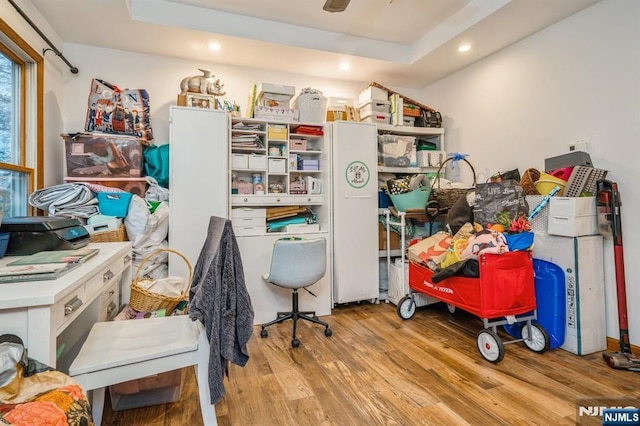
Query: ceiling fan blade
point(336, 5)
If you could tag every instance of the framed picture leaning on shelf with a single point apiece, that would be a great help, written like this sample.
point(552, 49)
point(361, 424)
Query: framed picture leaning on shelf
point(198, 100)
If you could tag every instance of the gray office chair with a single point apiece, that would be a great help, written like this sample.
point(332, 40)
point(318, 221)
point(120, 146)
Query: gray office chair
point(296, 264)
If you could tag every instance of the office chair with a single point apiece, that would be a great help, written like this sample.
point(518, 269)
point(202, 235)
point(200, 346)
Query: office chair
point(296, 264)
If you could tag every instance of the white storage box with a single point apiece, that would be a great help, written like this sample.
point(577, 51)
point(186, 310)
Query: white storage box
point(274, 100)
point(239, 161)
point(275, 114)
point(279, 89)
point(337, 108)
point(372, 93)
point(378, 118)
point(572, 206)
point(248, 212)
point(399, 288)
point(111, 225)
point(572, 216)
point(374, 107)
point(573, 226)
point(311, 107)
point(251, 222)
point(277, 165)
point(581, 260)
point(302, 227)
point(257, 161)
point(248, 231)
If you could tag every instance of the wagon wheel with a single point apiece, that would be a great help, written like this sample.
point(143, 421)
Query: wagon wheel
point(490, 346)
point(539, 341)
point(406, 308)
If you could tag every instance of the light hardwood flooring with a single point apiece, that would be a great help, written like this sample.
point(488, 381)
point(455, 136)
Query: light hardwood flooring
point(377, 369)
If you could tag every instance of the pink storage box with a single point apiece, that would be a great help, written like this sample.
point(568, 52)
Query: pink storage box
point(245, 188)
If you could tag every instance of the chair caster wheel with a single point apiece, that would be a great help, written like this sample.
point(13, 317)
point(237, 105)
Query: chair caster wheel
point(295, 343)
point(264, 333)
point(328, 332)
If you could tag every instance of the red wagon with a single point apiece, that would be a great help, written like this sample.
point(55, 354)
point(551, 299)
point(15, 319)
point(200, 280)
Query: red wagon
point(503, 294)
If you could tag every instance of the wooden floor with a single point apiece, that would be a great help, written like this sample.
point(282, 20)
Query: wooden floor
point(378, 369)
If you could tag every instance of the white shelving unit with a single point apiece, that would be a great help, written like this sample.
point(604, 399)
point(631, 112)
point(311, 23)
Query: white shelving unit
point(269, 147)
point(434, 135)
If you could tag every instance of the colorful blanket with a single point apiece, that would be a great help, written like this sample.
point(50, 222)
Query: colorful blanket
point(32, 393)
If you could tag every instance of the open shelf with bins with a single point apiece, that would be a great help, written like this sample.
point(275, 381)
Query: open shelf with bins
point(433, 135)
point(281, 180)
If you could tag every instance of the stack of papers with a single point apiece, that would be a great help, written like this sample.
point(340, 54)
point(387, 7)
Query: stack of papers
point(45, 265)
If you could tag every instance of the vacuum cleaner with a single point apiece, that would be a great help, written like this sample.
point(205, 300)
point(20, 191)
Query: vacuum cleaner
point(610, 225)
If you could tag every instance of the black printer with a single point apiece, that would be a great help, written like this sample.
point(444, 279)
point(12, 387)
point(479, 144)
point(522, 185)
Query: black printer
point(33, 234)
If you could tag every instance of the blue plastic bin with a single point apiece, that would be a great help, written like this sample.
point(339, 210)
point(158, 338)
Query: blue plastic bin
point(550, 302)
point(114, 203)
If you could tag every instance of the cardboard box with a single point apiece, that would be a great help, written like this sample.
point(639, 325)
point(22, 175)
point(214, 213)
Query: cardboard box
point(394, 239)
point(581, 260)
point(93, 155)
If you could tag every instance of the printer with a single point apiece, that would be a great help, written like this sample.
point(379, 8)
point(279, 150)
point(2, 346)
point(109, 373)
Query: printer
point(33, 234)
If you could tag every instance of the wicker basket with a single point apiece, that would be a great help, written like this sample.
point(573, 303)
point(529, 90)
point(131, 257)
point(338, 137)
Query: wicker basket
point(528, 181)
point(446, 197)
point(143, 300)
point(115, 235)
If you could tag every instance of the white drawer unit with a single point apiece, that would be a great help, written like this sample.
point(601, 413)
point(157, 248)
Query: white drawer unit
point(53, 317)
point(242, 212)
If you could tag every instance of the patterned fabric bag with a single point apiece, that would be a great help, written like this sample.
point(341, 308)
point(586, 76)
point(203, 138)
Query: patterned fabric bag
point(113, 110)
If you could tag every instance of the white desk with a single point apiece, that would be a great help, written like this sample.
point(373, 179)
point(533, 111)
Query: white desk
point(58, 314)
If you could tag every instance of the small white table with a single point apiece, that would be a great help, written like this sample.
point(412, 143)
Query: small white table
point(56, 315)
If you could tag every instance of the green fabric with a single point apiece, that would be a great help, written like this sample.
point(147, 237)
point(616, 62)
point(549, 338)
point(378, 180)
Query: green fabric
point(156, 163)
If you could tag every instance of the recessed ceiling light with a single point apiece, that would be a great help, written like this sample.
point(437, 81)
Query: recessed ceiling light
point(344, 66)
point(215, 46)
point(464, 48)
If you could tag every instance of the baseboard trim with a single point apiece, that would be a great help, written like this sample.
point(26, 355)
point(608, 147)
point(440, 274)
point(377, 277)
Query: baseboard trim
point(614, 346)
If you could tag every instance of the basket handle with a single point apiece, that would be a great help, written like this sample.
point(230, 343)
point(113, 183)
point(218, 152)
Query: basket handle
point(437, 178)
point(168, 250)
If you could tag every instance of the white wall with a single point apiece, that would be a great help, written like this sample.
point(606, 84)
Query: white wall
point(161, 77)
point(576, 80)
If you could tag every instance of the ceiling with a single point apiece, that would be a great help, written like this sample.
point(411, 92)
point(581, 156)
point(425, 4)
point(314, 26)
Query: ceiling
point(408, 43)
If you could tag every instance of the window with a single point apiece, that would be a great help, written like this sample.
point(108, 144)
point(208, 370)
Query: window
point(21, 105)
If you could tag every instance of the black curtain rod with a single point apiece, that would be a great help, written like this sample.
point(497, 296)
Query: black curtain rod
point(73, 69)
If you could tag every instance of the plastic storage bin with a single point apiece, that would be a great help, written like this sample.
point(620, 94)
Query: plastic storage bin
point(103, 155)
point(550, 301)
point(378, 118)
point(153, 390)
